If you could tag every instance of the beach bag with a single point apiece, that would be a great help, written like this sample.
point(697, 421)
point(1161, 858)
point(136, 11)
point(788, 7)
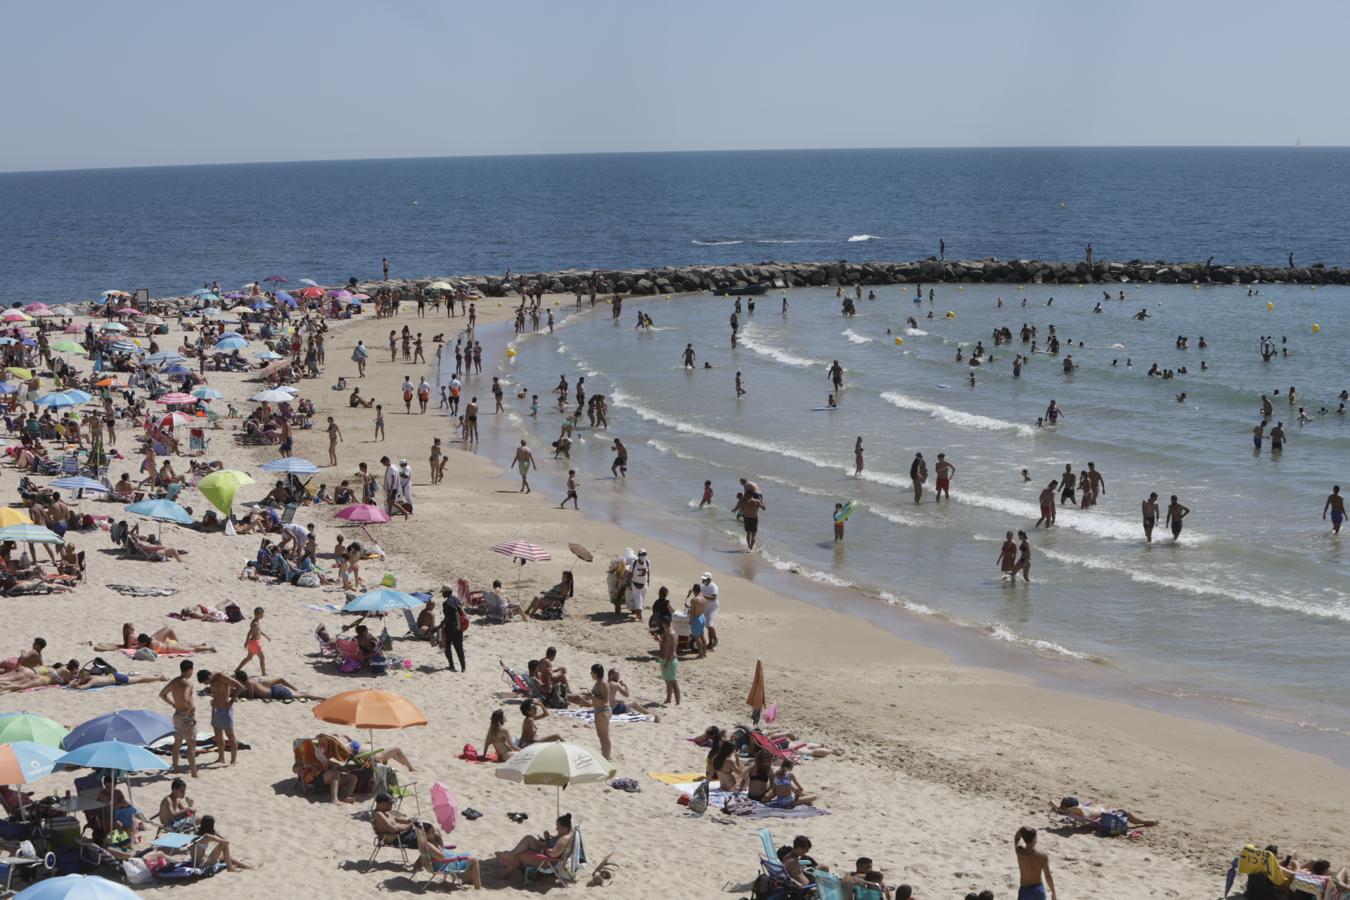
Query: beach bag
point(762, 888)
point(379, 664)
point(463, 621)
point(1113, 824)
point(136, 871)
point(99, 666)
point(349, 665)
point(698, 801)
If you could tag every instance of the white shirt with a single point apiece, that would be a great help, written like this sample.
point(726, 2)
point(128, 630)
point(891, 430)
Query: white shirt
point(642, 570)
point(391, 479)
point(709, 591)
point(299, 532)
point(407, 387)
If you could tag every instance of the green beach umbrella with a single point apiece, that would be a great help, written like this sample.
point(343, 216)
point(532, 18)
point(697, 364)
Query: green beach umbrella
point(30, 534)
point(70, 347)
point(220, 487)
point(28, 727)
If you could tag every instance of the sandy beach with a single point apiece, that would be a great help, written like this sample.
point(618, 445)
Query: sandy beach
point(942, 763)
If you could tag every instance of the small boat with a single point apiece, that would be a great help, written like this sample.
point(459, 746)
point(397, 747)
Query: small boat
point(744, 290)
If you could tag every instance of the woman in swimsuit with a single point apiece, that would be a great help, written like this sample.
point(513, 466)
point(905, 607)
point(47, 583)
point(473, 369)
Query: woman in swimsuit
point(787, 791)
point(759, 776)
point(498, 738)
point(23, 678)
point(600, 703)
point(533, 712)
point(270, 689)
point(87, 681)
point(129, 638)
point(726, 765)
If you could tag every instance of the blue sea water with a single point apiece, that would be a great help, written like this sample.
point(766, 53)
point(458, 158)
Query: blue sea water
point(68, 235)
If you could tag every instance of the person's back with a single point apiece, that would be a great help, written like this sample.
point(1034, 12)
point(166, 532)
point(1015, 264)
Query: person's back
point(1033, 867)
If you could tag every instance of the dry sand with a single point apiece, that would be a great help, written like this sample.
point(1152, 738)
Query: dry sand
point(943, 763)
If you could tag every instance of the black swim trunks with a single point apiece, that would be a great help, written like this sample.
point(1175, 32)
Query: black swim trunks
point(751, 524)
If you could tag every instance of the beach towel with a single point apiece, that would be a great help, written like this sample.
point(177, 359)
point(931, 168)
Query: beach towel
point(673, 778)
point(750, 809)
point(132, 590)
point(325, 607)
point(132, 653)
point(588, 716)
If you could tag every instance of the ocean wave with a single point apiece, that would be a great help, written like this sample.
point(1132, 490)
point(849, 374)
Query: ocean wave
point(787, 565)
point(956, 416)
point(1202, 588)
point(716, 243)
point(916, 332)
point(854, 238)
point(774, 353)
point(1089, 523)
point(1001, 632)
point(855, 338)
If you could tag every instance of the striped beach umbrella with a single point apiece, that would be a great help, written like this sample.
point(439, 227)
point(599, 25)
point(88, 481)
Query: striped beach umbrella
point(30, 534)
point(522, 550)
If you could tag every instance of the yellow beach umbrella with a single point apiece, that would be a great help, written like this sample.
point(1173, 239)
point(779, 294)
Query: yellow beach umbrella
point(220, 487)
point(10, 515)
point(20, 372)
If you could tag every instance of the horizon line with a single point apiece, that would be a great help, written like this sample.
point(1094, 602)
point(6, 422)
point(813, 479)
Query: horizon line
point(525, 155)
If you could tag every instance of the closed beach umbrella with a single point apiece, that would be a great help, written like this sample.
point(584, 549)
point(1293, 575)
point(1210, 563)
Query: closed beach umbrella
point(220, 487)
point(76, 887)
point(556, 763)
point(756, 700)
point(369, 709)
point(207, 393)
point(10, 515)
point(363, 513)
point(28, 727)
point(383, 600)
point(445, 807)
point(23, 762)
point(131, 726)
point(159, 510)
point(30, 534)
point(294, 465)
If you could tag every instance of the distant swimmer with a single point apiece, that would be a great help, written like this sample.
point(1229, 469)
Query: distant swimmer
point(836, 373)
point(1336, 504)
point(1007, 557)
point(1267, 408)
point(688, 356)
point(918, 474)
point(740, 385)
point(1150, 510)
point(1175, 513)
point(1026, 476)
point(1023, 563)
point(1142, 315)
point(1047, 505)
point(785, 304)
point(944, 471)
point(1277, 438)
point(858, 456)
point(707, 495)
point(1053, 413)
point(620, 467)
point(1069, 365)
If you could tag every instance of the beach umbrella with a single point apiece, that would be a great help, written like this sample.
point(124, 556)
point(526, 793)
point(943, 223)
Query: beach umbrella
point(121, 755)
point(383, 599)
point(22, 762)
point(276, 279)
point(76, 887)
point(207, 393)
point(275, 395)
point(20, 372)
point(294, 465)
point(35, 307)
point(522, 550)
point(286, 298)
point(73, 328)
point(175, 370)
point(169, 420)
point(228, 344)
point(441, 286)
point(445, 807)
point(113, 293)
point(10, 515)
point(28, 727)
point(124, 347)
point(163, 357)
point(369, 709)
point(175, 398)
point(310, 293)
point(6, 341)
point(8, 387)
point(558, 764)
point(57, 400)
point(269, 355)
point(30, 534)
point(581, 552)
point(15, 315)
point(153, 320)
point(70, 347)
point(129, 311)
point(62, 310)
point(199, 292)
point(114, 326)
point(79, 483)
point(131, 726)
point(220, 487)
point(159, 510)
point(363, 513)
point(756, 699)
point(360, 296)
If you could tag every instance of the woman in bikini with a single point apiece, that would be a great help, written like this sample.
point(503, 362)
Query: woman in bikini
point(726, 765)
point(600, 704)
point(129, 638)
point(498, 738)
point(532, 713)
point(787, 790)
point(759, 776)
point(24, 678)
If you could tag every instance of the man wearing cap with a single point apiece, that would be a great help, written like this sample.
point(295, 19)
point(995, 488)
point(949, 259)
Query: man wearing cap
point(639, 578)
point(710, 595)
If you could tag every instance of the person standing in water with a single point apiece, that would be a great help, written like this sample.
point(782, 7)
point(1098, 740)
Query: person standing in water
point(837, 376)
point(945, 471)
point(1033, 867)
point(1007, 557)
point(740, 386)
point(688, 356)
point(858, 457)
point(1175, 513)
point(918, 474)
point(1047, 505)
point(1277, 438)
point(1336, 504)
point(1258, 434)
point(1023, 563)
point(620, 467)
point(751, 502)
point(1149, 508)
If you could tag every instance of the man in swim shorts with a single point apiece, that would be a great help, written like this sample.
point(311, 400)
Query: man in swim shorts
point(1336, 505)
point(698, 623)
point(523, 459)
point(945, 471)
point(223, 690)
point(178, 694)
point(1175, 513)
point(1258, 433)
point(1150, 510)
point(1033, 867)
point(1047, 505)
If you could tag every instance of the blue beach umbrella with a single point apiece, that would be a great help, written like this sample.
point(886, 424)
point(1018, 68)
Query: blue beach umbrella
point(6, 341)
point(269, 355)
point(76, 887)
point(232, 334)
point(207, 393)
point(227, 344)
point(294, 465)
point(9, 387)
point(79, 396)
point(162, 357)
point(161, 510)
point(124, 347)
point(120, 755)
point(59, 400)
point(383, 600)
point(175, 371)
point(79, 483)
point(130, 726)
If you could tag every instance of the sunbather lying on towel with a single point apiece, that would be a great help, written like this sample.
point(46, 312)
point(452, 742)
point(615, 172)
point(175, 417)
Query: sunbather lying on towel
point(86, 680)
point(24, 678)
point(1089, 812)
point(171, 645)
point(129, 638)
point(270, 689)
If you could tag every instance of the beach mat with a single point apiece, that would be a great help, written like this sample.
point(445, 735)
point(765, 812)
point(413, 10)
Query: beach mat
point(673, 778)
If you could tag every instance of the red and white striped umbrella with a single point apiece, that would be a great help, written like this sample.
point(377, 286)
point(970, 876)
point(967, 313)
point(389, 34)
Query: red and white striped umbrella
point(522, 550)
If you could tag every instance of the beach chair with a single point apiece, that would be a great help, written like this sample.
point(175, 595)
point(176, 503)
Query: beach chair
point(383, 842)
point(769, 850)
point(762, 741)
point(521, 684)
point(829, 886)
point(566, 868)
point(384, 780)
point(441, 862)
point(470, 598)
point(860, 891)
point(306, 767)
point(326, 648)
point(288, 514)
point(31, 867)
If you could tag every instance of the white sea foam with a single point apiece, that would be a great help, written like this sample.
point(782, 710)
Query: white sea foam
point(916, 332)
point(863, 237)
point(787, 565)
point(774, 353)
point(1092, 523)
point(956, 416)
point(716, 243)
point(1002, 632)
point(855, 338)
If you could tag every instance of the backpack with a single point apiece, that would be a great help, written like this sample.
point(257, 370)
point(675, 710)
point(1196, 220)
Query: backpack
point(1113, 824)
point(698, 801)
point(99, 666)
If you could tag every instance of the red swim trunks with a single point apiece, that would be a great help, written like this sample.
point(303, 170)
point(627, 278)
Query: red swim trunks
point(942, 484)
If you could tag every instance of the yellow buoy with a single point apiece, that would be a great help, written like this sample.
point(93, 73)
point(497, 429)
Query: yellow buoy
point(950, 314)
point(899, 341)
point(1270, 307)
point(510, 351)
point(667, 296)
point(1316, 328)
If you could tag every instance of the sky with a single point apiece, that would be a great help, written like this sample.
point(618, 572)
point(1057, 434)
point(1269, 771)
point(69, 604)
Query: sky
point(146, 82)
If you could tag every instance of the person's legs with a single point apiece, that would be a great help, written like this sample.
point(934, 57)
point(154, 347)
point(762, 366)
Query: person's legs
point(395, 754)
point(602, 732)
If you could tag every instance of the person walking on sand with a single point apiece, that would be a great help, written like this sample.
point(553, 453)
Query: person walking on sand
point(945, 471)
point(1149, 508)
point(639, 577)
point(359, 356)
point(423, 394)
point(334, 435)
point(379, 421)
point(452, 630)
point(390, 484)
point(1175, 513)
point(1047, 506)
point(253, 642)
point(1336, 505)
point(407, 395)
point(436, 462)
point(224, 690)
point(857, 457)
point(670, 663)
point(571, 491)
point(523, 459)
point(918, 474)
point(1033, 867)
point(178, 694)
point(1007, 557)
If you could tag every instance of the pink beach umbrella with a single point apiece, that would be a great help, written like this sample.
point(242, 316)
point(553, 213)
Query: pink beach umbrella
point(129, 311)
point(74, 328)
point(176, 418)
point(175, 398)
point(35, 307)
point(364, 514)
point(445, 806)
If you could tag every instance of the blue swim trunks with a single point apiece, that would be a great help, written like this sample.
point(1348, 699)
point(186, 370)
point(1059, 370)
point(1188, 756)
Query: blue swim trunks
point(1337, 517)
point(222, 718)
point(1031, 892)
point(696, 626)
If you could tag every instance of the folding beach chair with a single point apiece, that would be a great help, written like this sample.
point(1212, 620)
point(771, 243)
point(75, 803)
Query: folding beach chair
point(384, 780)
point(565, 868)
point(829, 886)
point(442, 862)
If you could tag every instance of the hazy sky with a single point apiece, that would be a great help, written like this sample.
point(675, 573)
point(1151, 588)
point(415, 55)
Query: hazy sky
point(147, 82)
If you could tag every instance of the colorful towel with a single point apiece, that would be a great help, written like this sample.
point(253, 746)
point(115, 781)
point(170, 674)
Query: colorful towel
point(588, 716)
point(134, 591)
point(674, 778)
point(717, 799)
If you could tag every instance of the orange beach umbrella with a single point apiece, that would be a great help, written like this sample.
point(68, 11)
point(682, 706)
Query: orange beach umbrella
point(369, 708)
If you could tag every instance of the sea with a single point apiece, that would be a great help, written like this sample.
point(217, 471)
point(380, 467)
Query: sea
point(1244, 619)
